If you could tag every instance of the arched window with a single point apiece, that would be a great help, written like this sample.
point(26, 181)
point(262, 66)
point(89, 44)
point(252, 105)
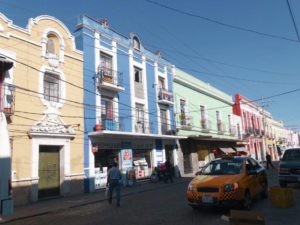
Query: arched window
point(136, 44)
point(52, 44)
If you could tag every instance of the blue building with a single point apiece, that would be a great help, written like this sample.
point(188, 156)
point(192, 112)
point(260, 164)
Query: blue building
point(129, 107)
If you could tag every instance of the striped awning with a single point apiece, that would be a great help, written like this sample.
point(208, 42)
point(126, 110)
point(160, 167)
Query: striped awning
point(5, 64)
point(227, 150)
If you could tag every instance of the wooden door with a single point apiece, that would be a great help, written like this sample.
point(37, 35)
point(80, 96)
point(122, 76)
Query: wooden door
point(49, 173)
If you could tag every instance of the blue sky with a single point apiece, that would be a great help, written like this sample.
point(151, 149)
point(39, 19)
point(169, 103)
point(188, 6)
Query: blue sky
point(217, 54)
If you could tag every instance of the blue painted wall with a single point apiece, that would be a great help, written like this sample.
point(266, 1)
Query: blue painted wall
point(87, 44)
point(152, 98)
point(125, 106)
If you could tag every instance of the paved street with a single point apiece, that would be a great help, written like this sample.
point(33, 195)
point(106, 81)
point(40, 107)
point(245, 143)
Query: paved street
point(147, 204)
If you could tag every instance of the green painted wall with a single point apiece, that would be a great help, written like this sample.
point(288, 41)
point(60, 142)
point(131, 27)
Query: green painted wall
point(212, 98)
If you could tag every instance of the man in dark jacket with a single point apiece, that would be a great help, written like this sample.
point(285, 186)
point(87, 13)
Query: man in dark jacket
point(168, 174)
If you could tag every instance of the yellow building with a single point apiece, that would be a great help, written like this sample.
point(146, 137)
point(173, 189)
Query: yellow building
point(44, 108)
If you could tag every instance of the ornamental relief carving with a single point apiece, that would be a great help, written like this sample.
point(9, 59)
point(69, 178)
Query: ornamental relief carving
point(52, 124)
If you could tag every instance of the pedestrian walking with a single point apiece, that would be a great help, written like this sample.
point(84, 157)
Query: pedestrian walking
point(269, 161)
point(168, 174)
point(113, 182)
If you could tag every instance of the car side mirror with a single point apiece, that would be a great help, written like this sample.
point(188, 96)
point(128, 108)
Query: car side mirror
point(198, 173)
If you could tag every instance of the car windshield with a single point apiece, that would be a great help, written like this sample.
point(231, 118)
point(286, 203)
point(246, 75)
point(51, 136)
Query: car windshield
point(291, 155)
point(223, 167)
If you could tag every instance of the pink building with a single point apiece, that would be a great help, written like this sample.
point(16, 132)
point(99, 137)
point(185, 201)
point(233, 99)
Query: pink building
point(252, 126)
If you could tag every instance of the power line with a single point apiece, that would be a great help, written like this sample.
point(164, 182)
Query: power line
point(236, 78)
point(221, 23)
point(293, 19)
point(223, 63)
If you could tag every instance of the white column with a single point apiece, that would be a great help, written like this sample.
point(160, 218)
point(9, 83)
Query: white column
point(157, 105)
point(132, 90)
point(97, 63)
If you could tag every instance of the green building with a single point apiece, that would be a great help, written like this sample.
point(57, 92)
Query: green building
point(203, 115)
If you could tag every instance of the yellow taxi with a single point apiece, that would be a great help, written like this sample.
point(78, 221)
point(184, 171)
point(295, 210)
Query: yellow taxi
point(228, 181)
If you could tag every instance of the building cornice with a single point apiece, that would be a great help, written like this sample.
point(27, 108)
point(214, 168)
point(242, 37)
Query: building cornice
point(201, 89)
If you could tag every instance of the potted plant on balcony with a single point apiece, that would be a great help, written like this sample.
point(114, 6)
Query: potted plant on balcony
point(98, 127)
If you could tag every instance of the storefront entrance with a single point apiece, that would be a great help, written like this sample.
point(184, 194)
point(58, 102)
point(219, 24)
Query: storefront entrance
point(142, 163)
point(104, 159)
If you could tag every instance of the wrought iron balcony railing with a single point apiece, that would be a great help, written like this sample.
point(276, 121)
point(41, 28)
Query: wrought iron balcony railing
point(112, 124)
point(109, 76)
point(7, 99)
point(144, 127)
point(165, 96)
point(220, 127)
point(205, 124)
point(185, 121)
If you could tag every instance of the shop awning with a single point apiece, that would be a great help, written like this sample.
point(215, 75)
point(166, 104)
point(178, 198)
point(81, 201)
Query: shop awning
point(240, 149)
point(5, 64)
point(130, 135)
point(227, 150)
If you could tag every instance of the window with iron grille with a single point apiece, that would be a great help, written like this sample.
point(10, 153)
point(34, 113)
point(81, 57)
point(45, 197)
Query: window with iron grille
point(139, 113)
point(51, 87)
point(106, 64)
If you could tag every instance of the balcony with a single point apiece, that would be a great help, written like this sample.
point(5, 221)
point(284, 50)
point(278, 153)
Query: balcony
point(112, 124)
point(7, 99)
point(165, 97)
point(220, 127)
point(109, 79)
point(232, 130)
point(185, 121)
point(205, 125)
point(144, 128)
point(257, 132)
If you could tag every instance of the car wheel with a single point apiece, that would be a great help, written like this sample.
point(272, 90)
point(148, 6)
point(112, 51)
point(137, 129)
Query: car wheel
point(282, 183)
point(247, 201)
point(265, 191)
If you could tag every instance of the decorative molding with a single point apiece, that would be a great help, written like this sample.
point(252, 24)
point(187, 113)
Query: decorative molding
point(52, 124)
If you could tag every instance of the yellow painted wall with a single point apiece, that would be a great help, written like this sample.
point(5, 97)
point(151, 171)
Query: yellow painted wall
point(26, 44)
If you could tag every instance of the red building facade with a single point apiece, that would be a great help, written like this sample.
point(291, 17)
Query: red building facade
point(252, 126)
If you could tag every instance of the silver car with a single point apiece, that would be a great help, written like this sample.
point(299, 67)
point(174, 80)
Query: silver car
point(289, 167)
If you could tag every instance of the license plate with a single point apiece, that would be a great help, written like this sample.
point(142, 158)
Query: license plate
point(207, 199)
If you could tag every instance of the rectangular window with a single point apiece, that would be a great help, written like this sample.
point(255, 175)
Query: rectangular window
point(51, 87)
point(218, 116)
point(203, 112)
point(140, 114)
point(164, 121)
point(107, 109)
point(138, 75)
point(161, 83)
point(106, 64)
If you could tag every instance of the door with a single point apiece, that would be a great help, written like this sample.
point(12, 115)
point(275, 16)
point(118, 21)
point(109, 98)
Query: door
point(49, 173)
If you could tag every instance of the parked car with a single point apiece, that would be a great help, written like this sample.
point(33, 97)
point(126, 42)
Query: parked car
point(289, 167)
point(232, 181)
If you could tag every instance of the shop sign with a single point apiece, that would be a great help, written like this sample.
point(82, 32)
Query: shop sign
point(108, 145)
point(159, 156)
point(142, 145)
point(126, 158)
point(100, 178)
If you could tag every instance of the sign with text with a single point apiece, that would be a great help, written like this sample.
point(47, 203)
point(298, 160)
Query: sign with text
point(126, 158)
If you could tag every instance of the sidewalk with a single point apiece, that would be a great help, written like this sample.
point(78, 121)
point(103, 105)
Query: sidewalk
point(65, 203)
